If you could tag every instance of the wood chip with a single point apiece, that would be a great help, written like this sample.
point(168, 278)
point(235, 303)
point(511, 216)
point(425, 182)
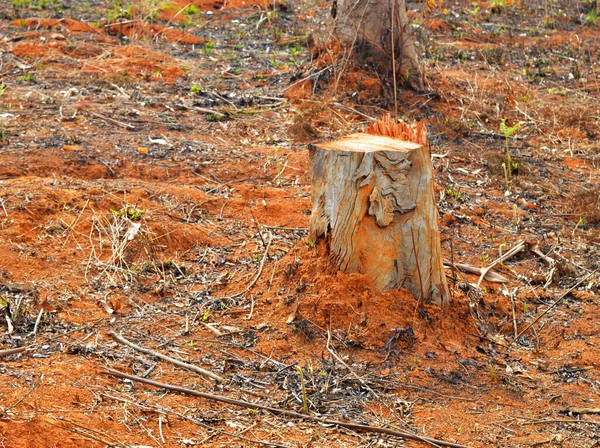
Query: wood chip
point(72, 148)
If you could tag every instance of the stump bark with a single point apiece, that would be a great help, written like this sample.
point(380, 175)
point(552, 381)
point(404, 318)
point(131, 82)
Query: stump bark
point(374, 203)
point(379, 32)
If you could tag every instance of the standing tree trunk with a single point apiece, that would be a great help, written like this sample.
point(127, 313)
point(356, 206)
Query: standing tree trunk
point(374, 203)
point(379, 32)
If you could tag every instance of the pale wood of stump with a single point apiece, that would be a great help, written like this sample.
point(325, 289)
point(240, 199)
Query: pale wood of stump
point(372, 196)
point(379, 29)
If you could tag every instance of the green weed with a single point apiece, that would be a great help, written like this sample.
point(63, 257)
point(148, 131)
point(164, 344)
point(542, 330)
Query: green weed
point(29, 77)
point(304, 397)
point(510, 165)
point(119, 11)
point(592, 16)
point(455, 194)
point(209, 48)
point(497, 6)
point(485, 258)
point(193, 9)
point(213, 117)
point(131, 212)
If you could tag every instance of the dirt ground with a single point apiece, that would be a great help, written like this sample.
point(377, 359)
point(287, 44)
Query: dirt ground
point(154, 183)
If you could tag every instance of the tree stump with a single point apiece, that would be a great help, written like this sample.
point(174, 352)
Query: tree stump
point(374, 203)
point(379, 31)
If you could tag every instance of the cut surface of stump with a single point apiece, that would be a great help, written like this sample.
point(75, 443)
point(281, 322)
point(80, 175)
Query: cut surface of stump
point(374, 203)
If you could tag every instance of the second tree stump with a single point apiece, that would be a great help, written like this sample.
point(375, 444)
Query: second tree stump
point(374, 202)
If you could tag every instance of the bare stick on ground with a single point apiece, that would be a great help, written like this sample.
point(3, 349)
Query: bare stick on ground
point(20, 400)
point(519, 247)
point(336, 356)
point(12, 351)
point(257, 276)
point(214, 431)
point(551, 307)
point(489, 275)
point(185, 365)
point(278, 411)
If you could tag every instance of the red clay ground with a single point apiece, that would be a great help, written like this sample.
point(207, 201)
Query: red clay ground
point(150, 155)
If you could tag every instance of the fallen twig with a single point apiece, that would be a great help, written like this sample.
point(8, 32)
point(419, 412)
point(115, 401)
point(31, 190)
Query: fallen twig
point(213, 329)
point(313, 75)
point(260, 269)
point(88, 433)
point(560, 299)
point(511, 253)
point(535, 249)
point(490, 276)
point(354, 111)
point(558, 421)
point(20, 400)
point(37, 321)
point(277, 411)
point(112, 120)
point(193, 368)
point(12, 351)
point(336, 356)
point(205, 110)
point(71, 226)
point(579, 411)
point(3, 206)
point(166, 411)
point(124, 22)
point(287, 229)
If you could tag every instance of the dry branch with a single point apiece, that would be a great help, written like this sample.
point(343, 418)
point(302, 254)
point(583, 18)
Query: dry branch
point(489, 275)
point(89, 433)
point(215, 431)
point(551, 307)
point(112, 120)
point(20, 400)
point(277, 411)
point(260, 269)
point(193, 368)
point(511, 253)
point(12, 351)
point(336, 356)
point(560, 421)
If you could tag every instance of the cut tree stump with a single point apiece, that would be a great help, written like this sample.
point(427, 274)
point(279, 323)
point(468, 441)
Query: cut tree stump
point(379, 32)
point(374, 203)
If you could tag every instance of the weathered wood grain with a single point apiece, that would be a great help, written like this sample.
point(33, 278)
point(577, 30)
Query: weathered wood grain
point(373, 196)
point(378, 29)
